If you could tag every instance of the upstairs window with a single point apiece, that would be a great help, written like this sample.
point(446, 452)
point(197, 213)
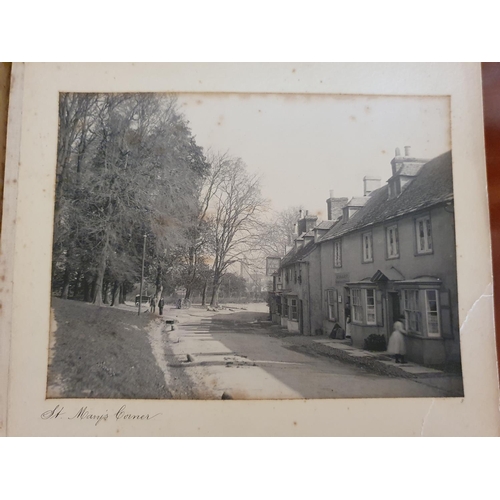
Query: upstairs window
point(423, 235)
point(337, 253)
point(367, 247)
point(392, 237)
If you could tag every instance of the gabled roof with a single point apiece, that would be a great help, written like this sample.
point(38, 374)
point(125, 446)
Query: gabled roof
point(432, 185)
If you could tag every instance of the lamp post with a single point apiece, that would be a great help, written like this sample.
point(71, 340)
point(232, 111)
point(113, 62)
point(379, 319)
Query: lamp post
point(142, 276)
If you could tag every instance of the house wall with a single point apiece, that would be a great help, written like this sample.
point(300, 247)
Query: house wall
point(315, 292)
point(441, 263)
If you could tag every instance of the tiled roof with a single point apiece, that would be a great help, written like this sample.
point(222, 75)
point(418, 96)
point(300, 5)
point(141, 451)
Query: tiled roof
point(432, 185)
point(358, 202)
point(326, 224)
point(410, 169)
point(296, 255)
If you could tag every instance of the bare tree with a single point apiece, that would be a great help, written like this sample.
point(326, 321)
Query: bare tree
point(234, 210)
point(278, 233)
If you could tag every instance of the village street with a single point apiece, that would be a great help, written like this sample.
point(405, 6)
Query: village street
point(237, 354)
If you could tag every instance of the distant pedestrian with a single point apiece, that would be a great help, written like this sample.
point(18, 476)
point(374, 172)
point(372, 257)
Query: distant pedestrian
point(152, 304)
point(397, 342)
point(161, 303)
point(179, 303)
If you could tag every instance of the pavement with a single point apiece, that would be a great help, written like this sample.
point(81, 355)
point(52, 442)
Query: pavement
point(380, 361)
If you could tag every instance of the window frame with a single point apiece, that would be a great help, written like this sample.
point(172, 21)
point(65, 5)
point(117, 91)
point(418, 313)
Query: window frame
point(361, 312)
point(408, 312)
point(294, 309)
point(364, 258)
point(427, 235)
point(337, 253)
point(285, 308)
point(331, 304)
point(357, 308)
point(389, 254)
point(372, 308)
point(427, 312)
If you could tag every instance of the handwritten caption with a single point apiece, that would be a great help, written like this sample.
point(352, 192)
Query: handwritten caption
point(84, 413)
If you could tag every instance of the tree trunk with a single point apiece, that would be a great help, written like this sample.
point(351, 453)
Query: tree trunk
point(100, 274)
point(204, 293)
point(214, 301)
point(105, 291)
point(113, 293)
point(93, 289)
point(65, 289)
point(121, 300)
point(86, 289)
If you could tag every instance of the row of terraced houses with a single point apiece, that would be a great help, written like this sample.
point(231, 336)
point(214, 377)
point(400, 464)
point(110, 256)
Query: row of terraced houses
point(389, 255)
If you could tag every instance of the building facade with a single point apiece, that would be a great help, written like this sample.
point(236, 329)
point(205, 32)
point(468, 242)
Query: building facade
point(389, 256)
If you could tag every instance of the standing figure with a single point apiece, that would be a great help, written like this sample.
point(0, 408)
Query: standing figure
point(152, 303)
point(161, 303)
point(397, 343)
point(348, 327)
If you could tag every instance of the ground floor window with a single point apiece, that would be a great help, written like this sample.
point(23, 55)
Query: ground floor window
point(294, 314)
point(422, 311)
point(285, 308)
point(432, 312)
point(371, 312)
point(357, 305)
point(364, 306)
point(278, 305)
point(412, 311)
point(332, 305)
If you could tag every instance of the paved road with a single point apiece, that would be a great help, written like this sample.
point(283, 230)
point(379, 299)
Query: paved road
point(209, 354)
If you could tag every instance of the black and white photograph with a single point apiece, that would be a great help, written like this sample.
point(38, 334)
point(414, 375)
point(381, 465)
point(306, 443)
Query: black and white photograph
point(253, 246)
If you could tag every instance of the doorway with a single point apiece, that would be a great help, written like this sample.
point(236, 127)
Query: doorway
point(394, 309)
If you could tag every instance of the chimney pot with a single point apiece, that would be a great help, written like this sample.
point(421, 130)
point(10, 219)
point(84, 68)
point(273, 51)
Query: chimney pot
point(301, 214)
point(331, 193)
point(307, 212)
point(407, 150)
point(398, 152)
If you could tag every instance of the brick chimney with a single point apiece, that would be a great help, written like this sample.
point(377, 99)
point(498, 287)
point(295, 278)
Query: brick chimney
point(306, 222)
point(334, 206)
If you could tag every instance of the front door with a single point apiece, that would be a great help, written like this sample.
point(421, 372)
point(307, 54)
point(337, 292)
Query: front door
point(394, 309)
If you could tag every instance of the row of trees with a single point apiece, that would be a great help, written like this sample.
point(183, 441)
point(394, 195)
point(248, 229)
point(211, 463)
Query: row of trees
point(128, 167)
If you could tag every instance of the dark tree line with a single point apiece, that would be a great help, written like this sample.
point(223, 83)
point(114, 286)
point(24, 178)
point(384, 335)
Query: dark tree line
point(128, 166)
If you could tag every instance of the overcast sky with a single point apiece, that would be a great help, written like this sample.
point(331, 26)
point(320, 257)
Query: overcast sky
point(305, 145)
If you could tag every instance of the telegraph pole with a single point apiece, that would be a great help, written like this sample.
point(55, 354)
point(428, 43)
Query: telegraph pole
point(142, 276)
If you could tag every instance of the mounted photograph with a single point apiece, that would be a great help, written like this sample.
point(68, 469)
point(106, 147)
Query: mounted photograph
point(253, 246)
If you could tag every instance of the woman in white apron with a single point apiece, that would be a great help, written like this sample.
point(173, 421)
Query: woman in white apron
point(397, 343)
